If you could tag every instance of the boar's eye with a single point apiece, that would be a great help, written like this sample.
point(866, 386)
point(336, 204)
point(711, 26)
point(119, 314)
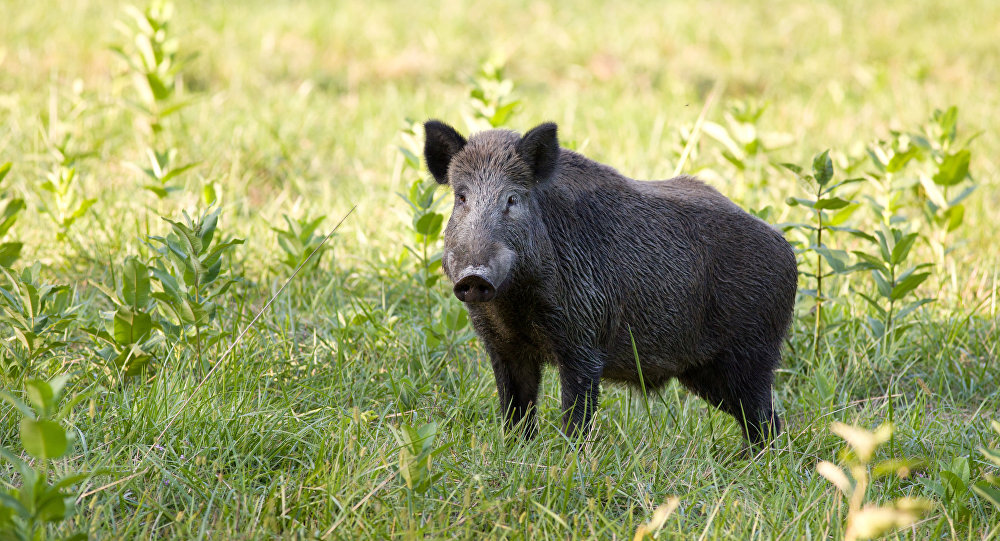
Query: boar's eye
point(511, 201)
point(460, 198)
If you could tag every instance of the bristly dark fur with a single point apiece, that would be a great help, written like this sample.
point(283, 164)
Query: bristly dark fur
point(581, 257)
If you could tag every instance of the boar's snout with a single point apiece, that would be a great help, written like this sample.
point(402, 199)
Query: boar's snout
point(475, 288)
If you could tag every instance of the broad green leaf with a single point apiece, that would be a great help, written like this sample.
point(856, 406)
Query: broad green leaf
point(52, 507)
point(80, 210)
point(216, 254)
point(731, 158)
point(909, 308)
point(793, 168)
point(845, 182)
point(955, 483)
point(953, 169)
point(883, 245)
point(193, 312)
point(9, 505)
point(34, 304)
point(831, 203)
point(190, 242)
point(168, 282)
point(902, 248)
point(954, 217)
point(4, 169)
point(793, 201)
point(9, 215)
point(208, 194)
point(947, 120)
point(411, 159)
point(429, 224)
point(43, 438)
point(900, 467)
point(206, 228)
point(878, 157)
point(899, 161)
point(213, 272)
point(10, 252)
point(176, 171)
point(907, 285)
point(823, 168)
point(837, 259)
point(160, 191)
point(457, 319)
point(884, 288)
point(414, 195)
point(960, 467)
point(26, 338)
point(131, 326)
point(40, 395)
point(934, 193)
point(842, 215)
point(135, 283)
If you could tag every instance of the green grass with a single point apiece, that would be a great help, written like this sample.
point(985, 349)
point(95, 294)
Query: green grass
point(297, 110)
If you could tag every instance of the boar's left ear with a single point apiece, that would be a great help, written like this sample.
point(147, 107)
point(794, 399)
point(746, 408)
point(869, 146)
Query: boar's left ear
point(441, 143)
point(540, 148)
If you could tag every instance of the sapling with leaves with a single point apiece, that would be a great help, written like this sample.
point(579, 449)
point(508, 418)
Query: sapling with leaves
point(945, 190)
point(26, 511)
point(953, 489)
point(441, 315)
point(491, 97)
point(33, 319)
point(151, 52)
point(928, 170)
point(192, 281)
point(127, 341)
point(829, 211)
point(299, 241)
point(426, 222)
point(746, 147)
point(894, 280)
point(10, 250)
point(64, 205)
point(416, 456)
point(162, 170)
point(491, 104)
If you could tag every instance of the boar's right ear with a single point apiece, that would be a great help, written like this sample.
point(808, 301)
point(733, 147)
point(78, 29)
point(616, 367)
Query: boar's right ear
point(540, 148)
point(441, 143)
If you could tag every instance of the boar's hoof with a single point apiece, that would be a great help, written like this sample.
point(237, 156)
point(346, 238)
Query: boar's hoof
point(474, 288)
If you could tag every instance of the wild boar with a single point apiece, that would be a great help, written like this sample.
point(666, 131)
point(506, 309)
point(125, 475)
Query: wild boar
point(562, 260)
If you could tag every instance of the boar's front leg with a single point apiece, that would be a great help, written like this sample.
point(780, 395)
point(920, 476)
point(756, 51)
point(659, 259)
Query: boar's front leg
point(518, 376)
point(579, 378)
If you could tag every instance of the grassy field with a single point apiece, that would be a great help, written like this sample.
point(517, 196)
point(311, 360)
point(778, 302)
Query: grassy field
point(187, 418)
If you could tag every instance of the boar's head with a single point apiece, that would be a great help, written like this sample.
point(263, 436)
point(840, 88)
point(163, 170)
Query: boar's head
point(496, 216)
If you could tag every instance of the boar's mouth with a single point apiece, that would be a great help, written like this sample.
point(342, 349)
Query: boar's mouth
point(477, 284)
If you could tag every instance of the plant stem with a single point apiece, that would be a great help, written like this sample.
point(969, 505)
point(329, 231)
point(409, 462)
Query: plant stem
point(886, 342)
point(819, 283)
point(427, 272)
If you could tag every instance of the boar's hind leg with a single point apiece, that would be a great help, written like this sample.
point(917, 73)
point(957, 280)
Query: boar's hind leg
point(518, 378)
point(579, 379)
point(739, 385)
